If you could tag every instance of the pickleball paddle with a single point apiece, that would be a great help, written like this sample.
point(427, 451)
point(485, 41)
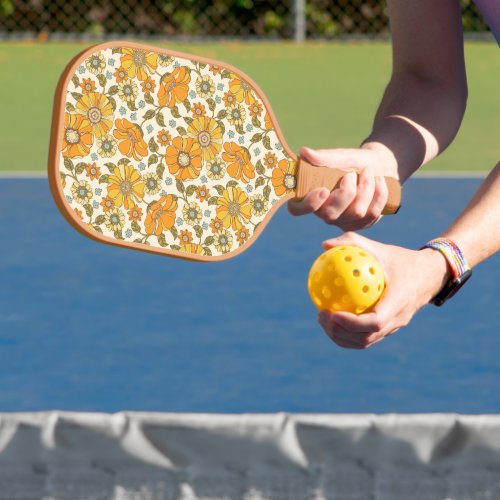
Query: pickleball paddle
point(172, 153)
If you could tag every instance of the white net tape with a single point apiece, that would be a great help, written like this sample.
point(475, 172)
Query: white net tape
point(155, 456)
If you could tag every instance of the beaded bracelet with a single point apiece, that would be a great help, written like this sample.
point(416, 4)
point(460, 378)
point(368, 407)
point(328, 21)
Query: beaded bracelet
point(460, 269)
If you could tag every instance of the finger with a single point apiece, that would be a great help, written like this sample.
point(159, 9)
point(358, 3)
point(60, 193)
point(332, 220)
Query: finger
point(348, 238)
point(339, 199)
point(338, 334)
point(365, 191)
point(379, 200)
point(311, 203)
point(337, 158)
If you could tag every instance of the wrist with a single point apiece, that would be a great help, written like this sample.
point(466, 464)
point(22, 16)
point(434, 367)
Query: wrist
point(388, 165)
point(437, 272)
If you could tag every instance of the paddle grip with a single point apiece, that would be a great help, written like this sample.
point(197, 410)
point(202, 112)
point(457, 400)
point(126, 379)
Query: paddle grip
point(311, 177)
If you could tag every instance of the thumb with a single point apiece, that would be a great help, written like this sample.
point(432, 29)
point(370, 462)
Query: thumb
point(349, 159)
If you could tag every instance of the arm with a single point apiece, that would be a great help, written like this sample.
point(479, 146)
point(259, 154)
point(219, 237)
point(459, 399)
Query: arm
point(415, 277)
point(418, 117)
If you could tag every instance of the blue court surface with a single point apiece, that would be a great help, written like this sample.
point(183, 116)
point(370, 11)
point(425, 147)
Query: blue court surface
point(91, 327)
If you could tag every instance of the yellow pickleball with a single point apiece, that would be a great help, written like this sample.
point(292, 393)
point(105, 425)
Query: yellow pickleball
point(346, 278)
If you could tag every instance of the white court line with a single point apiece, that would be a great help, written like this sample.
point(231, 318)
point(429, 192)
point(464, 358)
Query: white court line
point(453, 174)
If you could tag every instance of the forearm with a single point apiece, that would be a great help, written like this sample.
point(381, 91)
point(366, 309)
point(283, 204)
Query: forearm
point(416, 120)
point(477, 230)
point(424, 103)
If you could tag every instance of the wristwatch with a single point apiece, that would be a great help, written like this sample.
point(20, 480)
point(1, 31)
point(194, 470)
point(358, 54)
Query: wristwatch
point(460, 270)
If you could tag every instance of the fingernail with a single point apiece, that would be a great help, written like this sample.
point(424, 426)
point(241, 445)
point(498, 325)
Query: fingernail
point(323, 194)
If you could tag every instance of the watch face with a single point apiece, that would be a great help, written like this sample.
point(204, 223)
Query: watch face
point(451, 288)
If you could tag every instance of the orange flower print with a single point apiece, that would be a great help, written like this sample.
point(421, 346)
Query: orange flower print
point(135, 213)
point(242, 235)
point(233, 208)
point(283, 177)
point(77, 138)
point(216, 225)
point(216, 70)
point(174, 87)
point(161, 215)
point(202, 193)
point(185, 237)
point(255, 109)
point(267, 121)
point(107, 204)
point(139, 63)
point(131, 142)
point(164, 137)
point(230, 99)
point(238, 160)
point(198, 110)
point(87, 86)
point(120, 74)
point(270, 160)
point(242, 90)
point(148, 85)
point(183, 158)
point(92, 171)
point(125, 186)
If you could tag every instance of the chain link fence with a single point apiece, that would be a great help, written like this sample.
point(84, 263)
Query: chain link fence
point(283, 19)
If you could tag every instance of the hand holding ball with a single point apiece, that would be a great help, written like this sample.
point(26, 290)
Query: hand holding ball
point(346, 278)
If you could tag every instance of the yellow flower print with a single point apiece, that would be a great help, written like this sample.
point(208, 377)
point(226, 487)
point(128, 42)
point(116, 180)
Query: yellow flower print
point(183, 158)
point(238, 162)
point(207, 133)
point(107, 146)
point(283, 177)
point(125, 186)
point(131, 142)
point(242, 90)
point(81, 191)
point(165, 60)
point(152, 183)
point(135, 213)
point(161, 215)
point(205, 87)
point(128, 91)
point(95, 63)
point(98, 110)
point(92, 171)
point(192, 213)
point(223, 241)
point(233, 208)
point(139, 63)
point(114, 220)
point(192, 248)
point(77, 138)
point(259, 205)
point(216, 169)
point(174, 87)
point(236, 115)
point(87, 86)
point(79, 213)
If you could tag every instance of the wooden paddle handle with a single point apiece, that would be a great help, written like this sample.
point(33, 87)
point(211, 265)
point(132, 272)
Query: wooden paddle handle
point(311, 177)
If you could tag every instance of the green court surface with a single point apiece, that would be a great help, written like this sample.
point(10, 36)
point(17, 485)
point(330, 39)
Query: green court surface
point(324, 95)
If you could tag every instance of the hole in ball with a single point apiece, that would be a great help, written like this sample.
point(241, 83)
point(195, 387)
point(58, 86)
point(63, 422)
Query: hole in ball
point(366, 289)
point(348, 258)
point(356, 273)
point(372, 271)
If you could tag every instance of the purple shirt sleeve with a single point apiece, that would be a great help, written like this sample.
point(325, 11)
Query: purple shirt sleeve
point(490, 9)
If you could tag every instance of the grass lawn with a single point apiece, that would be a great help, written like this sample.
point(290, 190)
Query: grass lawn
point(324, 95)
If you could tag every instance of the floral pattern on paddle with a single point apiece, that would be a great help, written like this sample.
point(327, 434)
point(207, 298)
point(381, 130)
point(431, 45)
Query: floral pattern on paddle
point(169, 152)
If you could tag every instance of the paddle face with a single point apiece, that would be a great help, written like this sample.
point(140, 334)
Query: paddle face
point(167, 153)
